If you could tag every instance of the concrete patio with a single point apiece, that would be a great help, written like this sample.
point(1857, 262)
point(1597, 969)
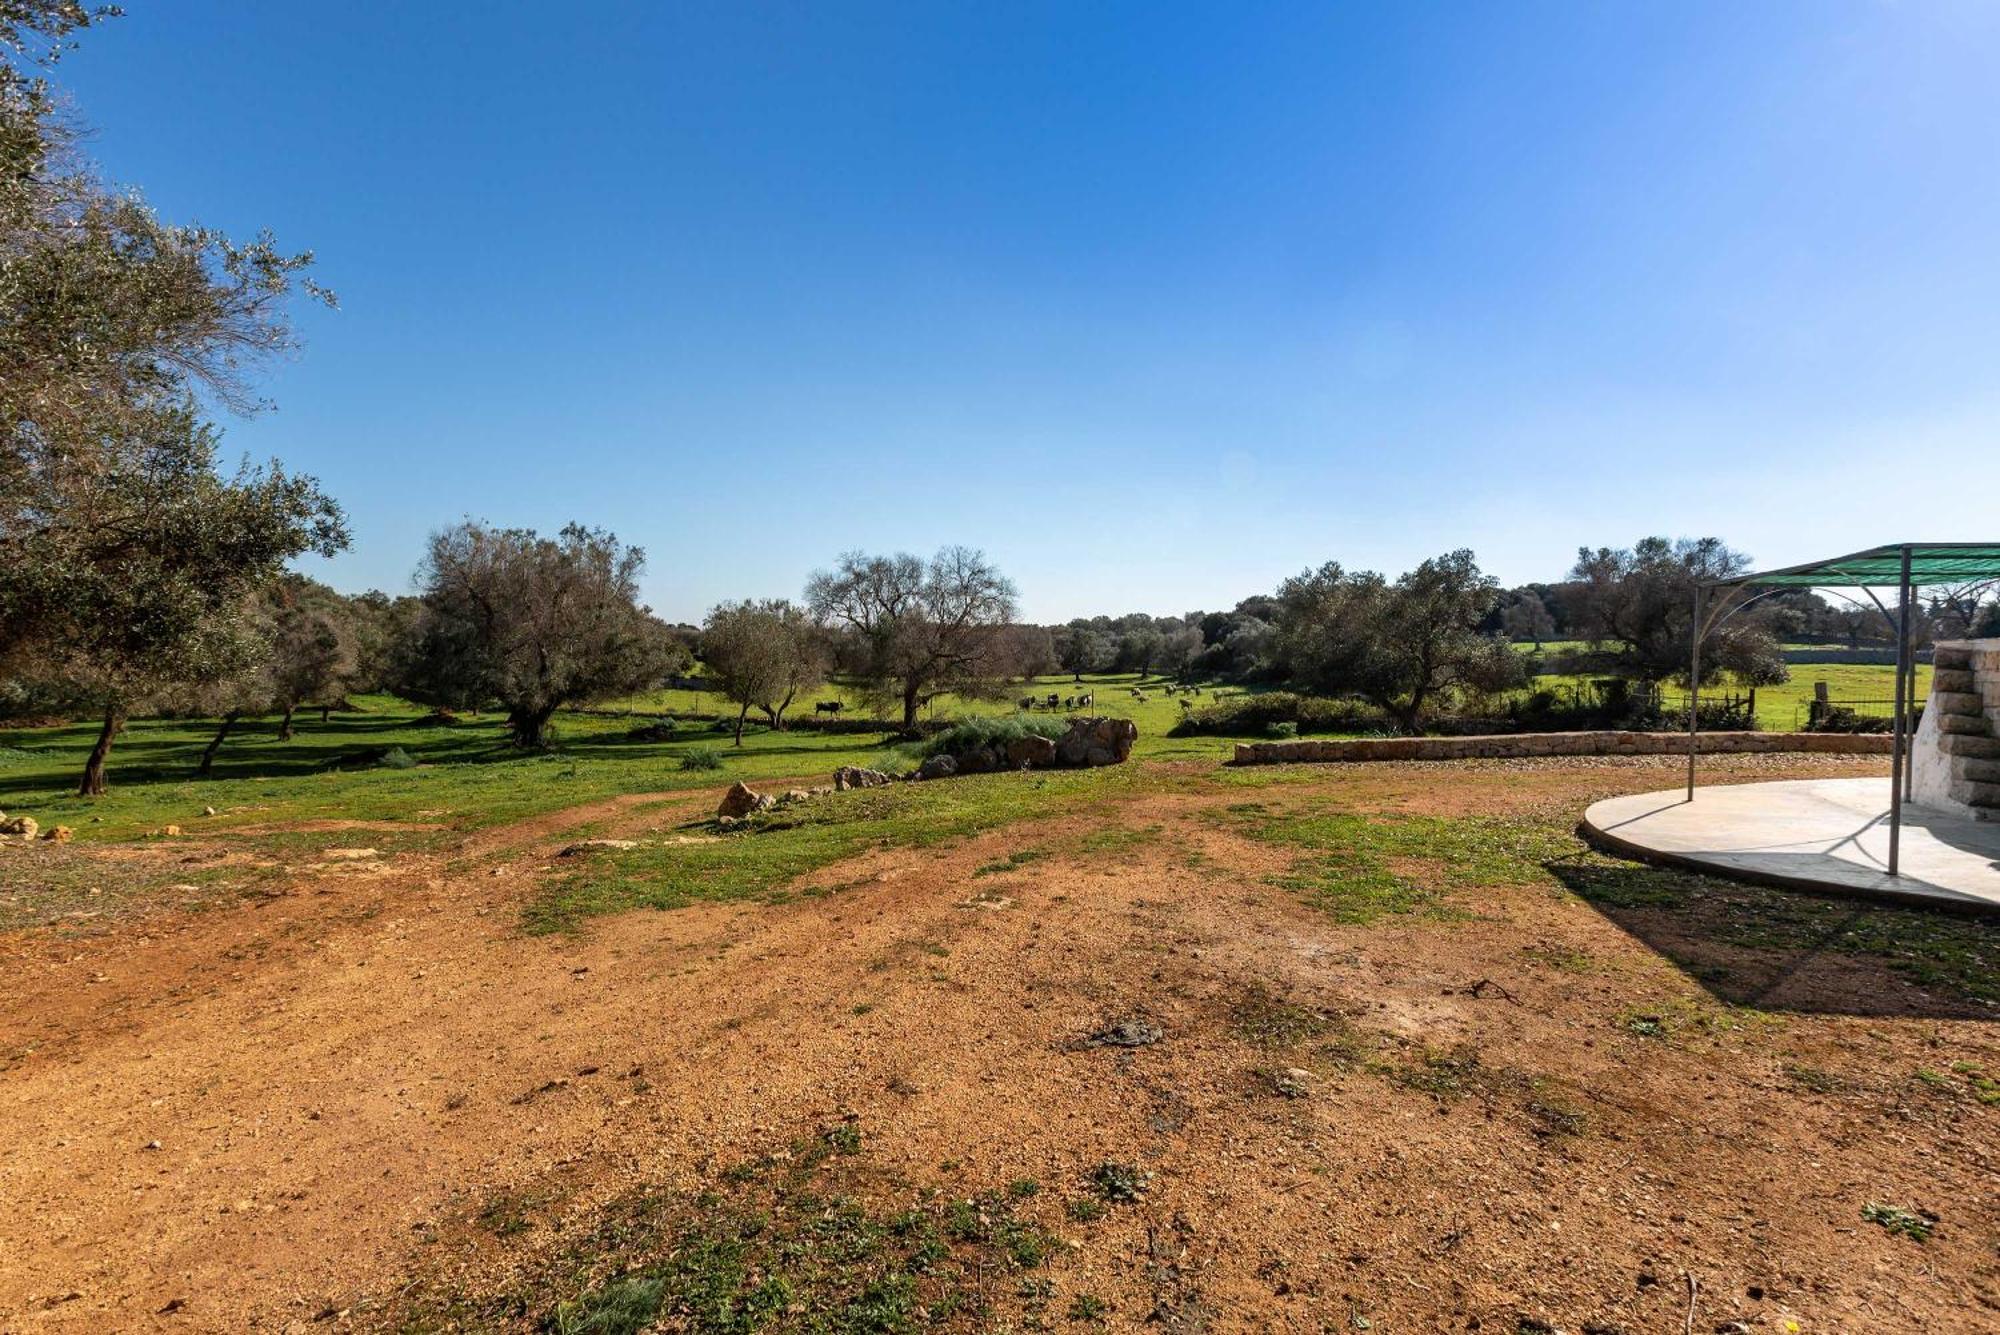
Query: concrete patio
point(1825, 835)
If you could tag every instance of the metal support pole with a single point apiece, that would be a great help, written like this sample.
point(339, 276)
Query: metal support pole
point(1902, 694)
point(1694, 684)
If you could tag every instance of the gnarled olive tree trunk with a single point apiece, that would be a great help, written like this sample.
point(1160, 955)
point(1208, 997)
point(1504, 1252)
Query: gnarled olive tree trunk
point(93, 768)
point(215, 743)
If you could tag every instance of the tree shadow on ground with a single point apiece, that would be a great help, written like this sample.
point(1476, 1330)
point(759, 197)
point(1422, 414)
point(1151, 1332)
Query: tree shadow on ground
point(167, 751)
point(1787, 951)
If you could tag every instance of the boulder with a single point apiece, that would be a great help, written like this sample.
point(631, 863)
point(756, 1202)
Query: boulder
point(740, 801)
point(937, 767)
point(1031, 752)
point(24, 826)
point(1097, 741)
point(854, 776)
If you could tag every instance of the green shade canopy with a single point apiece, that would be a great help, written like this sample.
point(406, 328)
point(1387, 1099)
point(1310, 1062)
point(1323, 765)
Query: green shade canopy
point(1930, 563)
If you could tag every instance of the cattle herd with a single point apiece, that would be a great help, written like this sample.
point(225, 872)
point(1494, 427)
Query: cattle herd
point(1056, 700)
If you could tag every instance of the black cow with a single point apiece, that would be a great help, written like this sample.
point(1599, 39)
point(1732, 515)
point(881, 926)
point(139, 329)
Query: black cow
point(828, 707)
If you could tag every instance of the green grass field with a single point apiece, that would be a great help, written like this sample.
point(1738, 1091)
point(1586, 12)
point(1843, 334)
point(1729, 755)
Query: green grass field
point(467, 776)
point(1782, 708)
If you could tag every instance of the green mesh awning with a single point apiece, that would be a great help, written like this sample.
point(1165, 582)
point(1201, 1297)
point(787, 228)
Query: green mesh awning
point(1930, 563)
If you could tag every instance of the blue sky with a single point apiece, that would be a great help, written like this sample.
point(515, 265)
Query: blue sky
point(1155, 303)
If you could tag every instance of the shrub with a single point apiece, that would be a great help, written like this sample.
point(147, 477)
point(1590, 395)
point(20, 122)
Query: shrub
point(975, 734)
point(1256, 715)
point(701, 757)
point(1839, 718)
point(1285, 728)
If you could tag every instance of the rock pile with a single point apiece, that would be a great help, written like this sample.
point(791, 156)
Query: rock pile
point(854, 776)
point(1097, 741)
point(24, 829)
point(741, 800)
point(1089, 742)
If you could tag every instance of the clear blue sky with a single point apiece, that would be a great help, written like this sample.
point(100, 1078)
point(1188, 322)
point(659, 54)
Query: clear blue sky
point(1156, 303)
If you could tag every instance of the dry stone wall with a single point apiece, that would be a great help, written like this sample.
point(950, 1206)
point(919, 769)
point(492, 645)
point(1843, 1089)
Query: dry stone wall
point(1509, 745)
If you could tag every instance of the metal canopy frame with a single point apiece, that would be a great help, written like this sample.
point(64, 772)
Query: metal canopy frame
point(1904, 567)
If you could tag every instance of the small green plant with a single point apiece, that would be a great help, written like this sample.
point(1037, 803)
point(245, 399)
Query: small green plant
point(1916, 1225)
point(1022, 1187)
point(1087, 1307)
point(842, 1138)
point(1984, 1087)
point(701, 758)
point(1084, 1209)
point(1119, 1183)
point(1281, 730)
point(1813, 1080)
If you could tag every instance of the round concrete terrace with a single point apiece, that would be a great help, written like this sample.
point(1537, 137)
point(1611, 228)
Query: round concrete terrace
point(1825, 835)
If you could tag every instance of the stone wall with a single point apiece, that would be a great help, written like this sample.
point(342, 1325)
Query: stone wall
point(1934, 772)
point(1506, 745)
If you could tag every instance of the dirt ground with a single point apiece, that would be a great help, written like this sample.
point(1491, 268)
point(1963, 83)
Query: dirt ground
point(290, 1114)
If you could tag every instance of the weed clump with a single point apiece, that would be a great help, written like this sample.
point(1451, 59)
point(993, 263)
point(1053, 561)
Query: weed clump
point(1119, 1183)
point(701, 758)
point(1916, 1225)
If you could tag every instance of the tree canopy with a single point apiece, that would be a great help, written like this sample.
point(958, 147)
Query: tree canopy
point(1637, 605)
point(921, 628)
point(1402, 645)
point(762, 655)
point(534, 623)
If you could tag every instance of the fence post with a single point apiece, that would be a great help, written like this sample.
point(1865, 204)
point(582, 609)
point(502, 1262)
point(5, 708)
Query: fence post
point(1816, 711)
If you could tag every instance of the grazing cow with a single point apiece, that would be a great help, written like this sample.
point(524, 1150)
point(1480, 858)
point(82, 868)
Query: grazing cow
point(1027, 702)
point(828, 707)
point(1055, 700)
point(1086, 701)
point(1069, 702)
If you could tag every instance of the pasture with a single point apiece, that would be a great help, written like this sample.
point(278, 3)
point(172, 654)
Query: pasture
point(467, 777)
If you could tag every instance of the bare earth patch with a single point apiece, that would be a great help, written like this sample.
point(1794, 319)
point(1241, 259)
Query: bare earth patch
point(1567, 1098)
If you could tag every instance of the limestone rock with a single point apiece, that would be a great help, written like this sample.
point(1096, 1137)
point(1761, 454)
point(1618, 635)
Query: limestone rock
point(58, 834)
point(24, 826)
point(854, 776)
point(1097, 741)
point(1031, 752)
point(937, 767)
point(740, 801)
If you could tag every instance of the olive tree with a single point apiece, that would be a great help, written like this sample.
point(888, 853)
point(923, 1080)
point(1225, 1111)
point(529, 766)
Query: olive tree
point(310, 647)
point(534, 623)
point(762, 655)
point(139, 581)
point(921, 628)
point(127, 559)
point(1400, 645)
point(1636, 605)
